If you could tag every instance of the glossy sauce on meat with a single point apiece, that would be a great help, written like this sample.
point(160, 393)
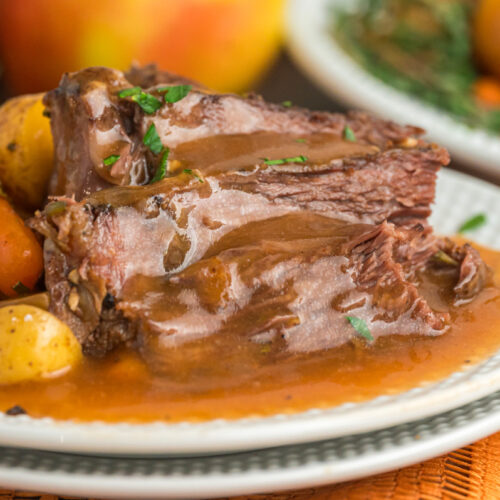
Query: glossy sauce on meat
point(232, 152)
point(249, 379)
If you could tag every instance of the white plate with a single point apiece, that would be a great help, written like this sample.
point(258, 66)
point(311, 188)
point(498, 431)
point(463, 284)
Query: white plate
point(263, 471)
point(311, 44)
point(458, 197)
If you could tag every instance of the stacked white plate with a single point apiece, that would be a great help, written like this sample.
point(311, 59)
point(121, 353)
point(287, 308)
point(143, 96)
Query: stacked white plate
point(222, 458)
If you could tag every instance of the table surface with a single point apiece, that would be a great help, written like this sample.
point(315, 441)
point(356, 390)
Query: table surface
point(471, 473)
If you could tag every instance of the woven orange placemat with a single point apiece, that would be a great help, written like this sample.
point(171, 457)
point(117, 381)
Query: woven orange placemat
point(470, 473)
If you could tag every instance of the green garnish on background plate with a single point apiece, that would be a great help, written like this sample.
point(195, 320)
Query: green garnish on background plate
point(420, 47)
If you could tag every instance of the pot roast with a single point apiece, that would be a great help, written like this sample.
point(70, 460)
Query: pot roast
point(271, 226)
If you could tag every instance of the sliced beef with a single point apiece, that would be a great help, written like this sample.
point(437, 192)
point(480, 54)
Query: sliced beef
point(269, 230)
point(179, 260)
point(90, 123)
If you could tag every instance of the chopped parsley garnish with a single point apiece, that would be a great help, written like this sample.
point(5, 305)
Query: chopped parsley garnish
point(20, 288)
point(360, 326)
point(162, 167)
point(129, 92)
point(444, 258)
point(111, 160)
point(473, 223)
point(190, 172)
point(282, 161)
point(175, 93)
point(55, 208)
point(349, 134)
point(287, 104)
point(152, 140)
point(300, 140)
point(149, 103)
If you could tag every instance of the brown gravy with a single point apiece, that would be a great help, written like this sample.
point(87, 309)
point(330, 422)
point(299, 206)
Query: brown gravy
point(120, 387)
point(221, 153)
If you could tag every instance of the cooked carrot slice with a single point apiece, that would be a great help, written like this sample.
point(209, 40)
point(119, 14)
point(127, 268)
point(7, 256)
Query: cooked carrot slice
point(487, 90)
point(21, 259)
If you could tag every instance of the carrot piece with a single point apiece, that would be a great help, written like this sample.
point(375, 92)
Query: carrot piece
point(487, 90)
point(21, 258)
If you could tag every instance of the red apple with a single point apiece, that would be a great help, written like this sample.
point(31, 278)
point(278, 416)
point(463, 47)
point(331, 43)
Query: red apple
point(225, 44)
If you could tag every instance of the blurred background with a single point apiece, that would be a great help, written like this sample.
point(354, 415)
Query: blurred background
point(236, 45)
point(446, 53)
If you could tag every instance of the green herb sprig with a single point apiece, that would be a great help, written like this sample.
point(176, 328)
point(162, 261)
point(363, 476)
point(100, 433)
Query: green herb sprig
point(21, 289)
point(129, 92)
point(152, 140)
point(282, 161)
point(473, 223)
point(175, 93)
point(194, 174)
point(111, 160)
point(55, 208)
point(361, 327)
point(349, 134)
point(161, 171)
point(444, 258)
point(148, 102)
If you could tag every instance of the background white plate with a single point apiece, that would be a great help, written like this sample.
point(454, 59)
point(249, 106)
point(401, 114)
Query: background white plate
point(309, 25)
point(458, 197)
point(261, 471)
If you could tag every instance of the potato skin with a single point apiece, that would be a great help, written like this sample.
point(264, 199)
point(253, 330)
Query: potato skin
point(34, 344)
point(26, 150)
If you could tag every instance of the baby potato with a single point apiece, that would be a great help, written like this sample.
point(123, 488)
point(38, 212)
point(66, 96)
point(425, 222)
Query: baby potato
point(34, 344)
point(26, 150)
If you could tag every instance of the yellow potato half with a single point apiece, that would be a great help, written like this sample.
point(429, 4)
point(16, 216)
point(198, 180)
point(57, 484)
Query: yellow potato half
point(34, 344)
point(26, 150)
